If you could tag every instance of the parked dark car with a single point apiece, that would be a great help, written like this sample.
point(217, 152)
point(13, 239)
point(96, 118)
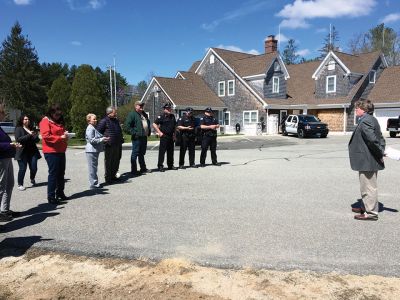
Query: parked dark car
point(197, 130)
point(393, 126)
point(305, 126)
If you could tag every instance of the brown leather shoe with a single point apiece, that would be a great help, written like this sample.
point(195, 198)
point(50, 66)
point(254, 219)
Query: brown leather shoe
point(358, 210)
point(366, 217)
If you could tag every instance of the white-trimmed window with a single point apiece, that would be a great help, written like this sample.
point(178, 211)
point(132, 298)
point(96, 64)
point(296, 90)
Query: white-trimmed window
point(331, 84)
point(275, 84)
point(231, 87)
point(331, 65)
point(250, 117)
point(372, 76)
point(221, 88)
point(227, 118)
point(212, 58)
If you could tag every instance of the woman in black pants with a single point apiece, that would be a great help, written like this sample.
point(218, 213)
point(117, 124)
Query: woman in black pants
point(28, 154)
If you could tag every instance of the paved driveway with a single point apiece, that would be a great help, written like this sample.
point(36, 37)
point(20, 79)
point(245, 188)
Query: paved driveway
point(282, 205)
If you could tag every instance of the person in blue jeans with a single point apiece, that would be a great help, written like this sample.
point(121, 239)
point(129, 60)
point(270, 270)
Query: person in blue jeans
point(138, 124)
point(28, 154)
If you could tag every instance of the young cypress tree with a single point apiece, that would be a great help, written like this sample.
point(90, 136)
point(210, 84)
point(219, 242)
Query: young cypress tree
point(86, 97)
point(20, 74)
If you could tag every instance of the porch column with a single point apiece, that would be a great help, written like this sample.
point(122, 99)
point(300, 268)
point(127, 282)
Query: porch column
point(344, 119)
point(267, 120)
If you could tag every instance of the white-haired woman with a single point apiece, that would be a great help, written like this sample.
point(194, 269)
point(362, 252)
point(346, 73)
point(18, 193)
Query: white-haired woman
point(94, 145)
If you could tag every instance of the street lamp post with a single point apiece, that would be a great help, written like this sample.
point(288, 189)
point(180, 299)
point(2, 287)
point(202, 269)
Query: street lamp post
point(155, 95)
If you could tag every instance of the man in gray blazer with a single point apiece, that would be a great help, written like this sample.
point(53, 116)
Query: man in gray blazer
point(366, 151)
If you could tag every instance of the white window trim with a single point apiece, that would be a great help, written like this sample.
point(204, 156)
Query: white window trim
point(233, 81)
point(229, 118)
point(374, 78)
point(273, 79)
point(250, 111)
point(334, 84)
point(223, 83)
point(212, 59)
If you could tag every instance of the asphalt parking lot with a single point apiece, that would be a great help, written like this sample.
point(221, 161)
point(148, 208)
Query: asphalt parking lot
point(276, 202)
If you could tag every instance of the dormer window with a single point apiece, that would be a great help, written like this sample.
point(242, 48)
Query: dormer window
point(212, 58)
point(372, 76)
point(275, 84)
point(331, 65)
point(277, 67)
point(331, 84)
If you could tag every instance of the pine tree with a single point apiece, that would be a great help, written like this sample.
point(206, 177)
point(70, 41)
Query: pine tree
point(86, 97)
point(20, 74)
point(60, 93)
point(289, 55)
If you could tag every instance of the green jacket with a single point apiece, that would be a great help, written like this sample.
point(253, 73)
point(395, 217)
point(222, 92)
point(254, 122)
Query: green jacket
point(134, 124)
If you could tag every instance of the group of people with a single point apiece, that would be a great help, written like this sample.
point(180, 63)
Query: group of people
point(366, 150)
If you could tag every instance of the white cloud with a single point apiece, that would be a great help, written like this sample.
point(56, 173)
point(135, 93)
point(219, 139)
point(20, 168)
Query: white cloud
point(76, 43)
point(247, 8)
point(296, 15)
point(303, 52)
point(22, 2)
point(84, 5)
point(391, 18)
point(237, 49)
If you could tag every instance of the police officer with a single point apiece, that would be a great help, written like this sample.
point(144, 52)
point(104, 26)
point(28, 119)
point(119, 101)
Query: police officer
point(165, 128)
point(186, 125)
point(209, 126)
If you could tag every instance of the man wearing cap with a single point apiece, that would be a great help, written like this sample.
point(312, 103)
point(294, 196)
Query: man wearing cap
point(209, 126)
point(138, 125)
point(186, 125)
point(164, 125)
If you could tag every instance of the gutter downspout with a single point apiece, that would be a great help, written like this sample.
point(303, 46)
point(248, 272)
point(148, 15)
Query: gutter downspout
point(267, 119)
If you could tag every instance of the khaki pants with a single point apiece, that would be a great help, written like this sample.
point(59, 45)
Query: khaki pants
point(369, 191)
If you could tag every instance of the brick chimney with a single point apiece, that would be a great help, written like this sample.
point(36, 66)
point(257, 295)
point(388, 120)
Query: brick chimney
point(271, 44)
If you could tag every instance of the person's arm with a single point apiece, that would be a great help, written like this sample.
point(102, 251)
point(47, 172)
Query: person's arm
point(21, 136)
point(45, 131)
point(91, 136)
point(372, 141)
point(156, 126)
point(101, 127)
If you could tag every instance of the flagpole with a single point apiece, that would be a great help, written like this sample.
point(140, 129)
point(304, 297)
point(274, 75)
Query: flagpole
point(111, 88)
point(115, 85)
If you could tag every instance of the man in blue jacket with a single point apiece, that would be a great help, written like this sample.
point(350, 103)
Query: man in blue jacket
point(138, 125)
point(366, 151)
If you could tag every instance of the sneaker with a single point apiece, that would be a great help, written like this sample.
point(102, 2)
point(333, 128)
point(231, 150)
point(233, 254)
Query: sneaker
point(33, 182)
point(21, 188)
point(96, 186)
point(4, 217)
point(117, 175)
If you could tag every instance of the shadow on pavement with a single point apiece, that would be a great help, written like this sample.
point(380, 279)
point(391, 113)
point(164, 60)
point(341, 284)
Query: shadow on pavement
point(88, 193)
point(17, 246)
point(19, 223)
point(381, 206)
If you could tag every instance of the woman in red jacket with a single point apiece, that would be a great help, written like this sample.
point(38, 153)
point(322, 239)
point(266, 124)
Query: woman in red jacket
point(54, 142)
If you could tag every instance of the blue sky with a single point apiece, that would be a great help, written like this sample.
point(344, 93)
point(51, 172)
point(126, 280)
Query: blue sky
point(163, 37)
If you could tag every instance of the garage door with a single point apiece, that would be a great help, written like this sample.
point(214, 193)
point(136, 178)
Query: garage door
point(382, 114)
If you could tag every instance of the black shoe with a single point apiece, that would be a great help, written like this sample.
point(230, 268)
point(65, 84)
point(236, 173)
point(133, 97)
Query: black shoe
point(193, 166)
point(52, 200)
point(13, 214)
point(202, 165)
point(145, 171)
point(161, 170)
point(172, 168)
point(135, 174)
point(4, 217)
point(62, 197)
point(182, 167)
point(217, 164)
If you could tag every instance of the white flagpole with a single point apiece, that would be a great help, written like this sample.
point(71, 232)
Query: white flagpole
point(279, 40)
point(330, 37)
point(115, 85)
point(111, 89)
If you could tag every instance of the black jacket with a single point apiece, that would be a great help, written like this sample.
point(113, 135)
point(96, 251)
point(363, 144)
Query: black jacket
point(28, 142)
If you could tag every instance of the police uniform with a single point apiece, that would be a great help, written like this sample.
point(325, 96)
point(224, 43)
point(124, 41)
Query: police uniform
point(209, 139)
point(188, 138)
point(167, 124)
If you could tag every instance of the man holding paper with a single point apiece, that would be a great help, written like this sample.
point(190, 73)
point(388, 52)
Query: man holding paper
point(366, 151)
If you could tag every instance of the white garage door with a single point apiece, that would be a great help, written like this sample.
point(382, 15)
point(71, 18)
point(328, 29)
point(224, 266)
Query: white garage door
point(382, 114)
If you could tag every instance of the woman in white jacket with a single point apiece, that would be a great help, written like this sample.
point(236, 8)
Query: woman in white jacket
point(94, 145)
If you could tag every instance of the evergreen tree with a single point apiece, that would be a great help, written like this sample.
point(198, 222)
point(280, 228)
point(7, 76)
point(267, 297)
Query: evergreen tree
point(86, 97)
point(330, 43)
point(60, 93)
point(141, 88)
point(289, 55)
point(20, 74)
